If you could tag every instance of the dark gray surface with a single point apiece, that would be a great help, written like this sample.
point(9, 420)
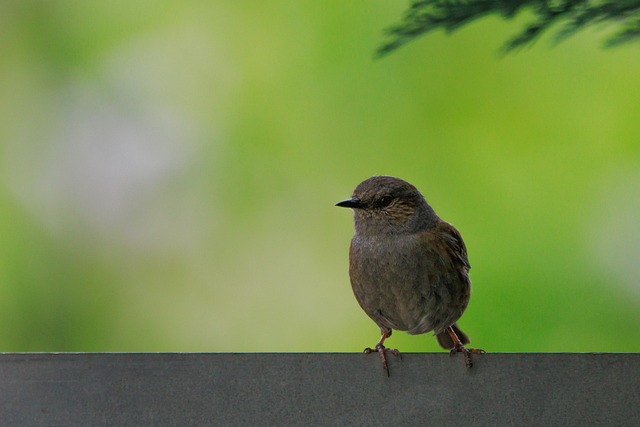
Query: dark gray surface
point(318, 389)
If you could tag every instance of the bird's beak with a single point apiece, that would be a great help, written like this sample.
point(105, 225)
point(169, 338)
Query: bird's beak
point(352, 203)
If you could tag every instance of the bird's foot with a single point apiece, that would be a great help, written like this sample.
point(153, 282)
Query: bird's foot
point(381, 349)
point(467, 352)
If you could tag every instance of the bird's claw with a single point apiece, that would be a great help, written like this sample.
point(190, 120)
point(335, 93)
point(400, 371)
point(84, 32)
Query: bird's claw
point(466, 352)
point(381, 349)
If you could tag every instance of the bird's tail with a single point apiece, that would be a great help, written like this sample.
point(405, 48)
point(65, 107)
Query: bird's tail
point(445, 340)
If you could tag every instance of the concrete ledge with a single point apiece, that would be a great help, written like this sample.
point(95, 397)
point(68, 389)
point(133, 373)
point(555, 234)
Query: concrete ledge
point(178, 389)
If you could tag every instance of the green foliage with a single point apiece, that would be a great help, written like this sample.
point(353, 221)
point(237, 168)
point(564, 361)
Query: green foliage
point(169, 173)
point(428, 15)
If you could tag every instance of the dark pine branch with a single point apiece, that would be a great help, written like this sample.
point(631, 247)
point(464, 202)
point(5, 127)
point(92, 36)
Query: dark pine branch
point(424, 16)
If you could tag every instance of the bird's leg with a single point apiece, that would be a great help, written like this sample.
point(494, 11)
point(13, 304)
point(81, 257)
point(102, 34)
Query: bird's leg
point(459, 348)
point(381, 349)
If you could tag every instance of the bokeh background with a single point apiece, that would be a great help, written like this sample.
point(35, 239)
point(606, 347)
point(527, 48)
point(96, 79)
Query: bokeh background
point(169, 173)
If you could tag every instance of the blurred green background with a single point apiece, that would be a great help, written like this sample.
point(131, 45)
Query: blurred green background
point(169, 174)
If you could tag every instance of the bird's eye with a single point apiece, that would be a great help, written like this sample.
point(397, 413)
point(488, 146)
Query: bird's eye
point(385, 201)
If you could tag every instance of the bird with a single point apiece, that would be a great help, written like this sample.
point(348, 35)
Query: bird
point(408, 268)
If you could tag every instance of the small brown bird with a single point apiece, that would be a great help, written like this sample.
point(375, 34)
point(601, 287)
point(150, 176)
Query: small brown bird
point(408, 268)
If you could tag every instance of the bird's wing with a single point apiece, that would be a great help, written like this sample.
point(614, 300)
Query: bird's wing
point(453, 242)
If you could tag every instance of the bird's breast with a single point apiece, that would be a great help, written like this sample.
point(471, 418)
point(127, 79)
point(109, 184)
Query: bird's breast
point(405, 282)
point(383, 257)
point(388, 277)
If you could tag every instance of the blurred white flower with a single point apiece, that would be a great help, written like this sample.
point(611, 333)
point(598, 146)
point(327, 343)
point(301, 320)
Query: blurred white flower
point(613, 233)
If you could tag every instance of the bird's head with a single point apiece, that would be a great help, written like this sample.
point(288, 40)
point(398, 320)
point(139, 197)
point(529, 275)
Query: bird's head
point(388, 205)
